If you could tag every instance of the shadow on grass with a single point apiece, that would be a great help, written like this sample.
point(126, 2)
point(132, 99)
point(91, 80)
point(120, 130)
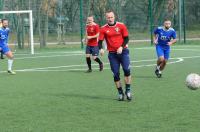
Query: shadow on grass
point(145, 76)
point(80, 96)
point(84, 71)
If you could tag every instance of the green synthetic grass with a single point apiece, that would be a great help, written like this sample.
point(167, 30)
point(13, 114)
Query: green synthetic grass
point(66, 100)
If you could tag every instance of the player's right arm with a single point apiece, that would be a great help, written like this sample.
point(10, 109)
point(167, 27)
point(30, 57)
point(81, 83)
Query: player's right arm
point(94, 36)
point(84, 40)
point(155, 39)
point(96, 31)
point(155, 36)
point(125, 38)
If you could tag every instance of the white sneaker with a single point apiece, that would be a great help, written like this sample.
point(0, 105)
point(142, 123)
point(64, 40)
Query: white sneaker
point(128, 95)
point(11, 72)
point(120, 97)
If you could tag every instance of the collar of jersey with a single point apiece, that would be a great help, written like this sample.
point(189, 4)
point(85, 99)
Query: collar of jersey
point(165, 29)
point(112, 24)
point(3, 28)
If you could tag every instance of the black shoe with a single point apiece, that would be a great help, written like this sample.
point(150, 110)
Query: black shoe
point(128, 95)
point(88, 71)
point(2, 57)
point(101, 67)
point(121, 97)
point(158, 74)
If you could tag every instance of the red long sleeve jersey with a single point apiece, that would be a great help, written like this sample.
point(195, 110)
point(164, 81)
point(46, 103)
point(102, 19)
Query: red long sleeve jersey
point(114, 35)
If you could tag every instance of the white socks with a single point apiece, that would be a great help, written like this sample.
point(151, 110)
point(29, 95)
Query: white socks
point(10, 62)
point(158, 67)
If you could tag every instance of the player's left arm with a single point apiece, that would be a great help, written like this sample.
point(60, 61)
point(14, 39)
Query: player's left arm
point(0, 33)
point(173, 39)
point(126, 39)
point(125, 36)
point(172, 42)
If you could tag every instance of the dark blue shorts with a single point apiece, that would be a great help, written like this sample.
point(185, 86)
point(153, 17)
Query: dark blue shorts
point(94, 50)
point(119, 59)
point(4, 49)
point(163, 51)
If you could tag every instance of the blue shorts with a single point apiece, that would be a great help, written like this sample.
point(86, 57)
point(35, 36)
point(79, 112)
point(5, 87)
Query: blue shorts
point(4, 49)
point(117, 59)
point(94, 50)
point(163, 51)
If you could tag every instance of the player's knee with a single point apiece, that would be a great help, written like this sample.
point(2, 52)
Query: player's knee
point(87, 55)
point(116, 77)
point(161, 59)
point(9, 55)
point(127, 72)
point(87, 58)
point(94, 57)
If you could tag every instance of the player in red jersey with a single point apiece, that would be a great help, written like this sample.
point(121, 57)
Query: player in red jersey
point(116, 36)
point(92, 34)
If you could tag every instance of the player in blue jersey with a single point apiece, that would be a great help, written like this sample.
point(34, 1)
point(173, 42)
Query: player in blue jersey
point(4, 34)
point(0, 50)
point(164, 37)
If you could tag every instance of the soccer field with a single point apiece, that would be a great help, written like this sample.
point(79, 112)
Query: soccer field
point(51, 93)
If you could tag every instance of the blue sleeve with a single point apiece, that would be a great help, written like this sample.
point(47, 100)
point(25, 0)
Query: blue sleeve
point(156, 31)
point(0, 33)
point(174, 35)
point(8, 31)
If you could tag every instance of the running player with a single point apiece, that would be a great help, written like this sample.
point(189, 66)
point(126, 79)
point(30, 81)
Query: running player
point(4, 34)
point(164, 37)
point(92, 34)
point(1, 50)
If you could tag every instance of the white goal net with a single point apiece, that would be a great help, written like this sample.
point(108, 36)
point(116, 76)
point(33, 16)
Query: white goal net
point(21, 23)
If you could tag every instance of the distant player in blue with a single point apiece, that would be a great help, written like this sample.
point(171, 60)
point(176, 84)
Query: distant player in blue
point(164, 37)
point(4, 35)
point(0, 50)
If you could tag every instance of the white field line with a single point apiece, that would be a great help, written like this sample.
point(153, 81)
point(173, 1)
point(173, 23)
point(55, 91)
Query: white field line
point(82, 53)
point(71, 66)
point(187, 49)
point(47, 56)
point(105, 68)
point(172, 48)
point(180, 59)
point(73, 69)
point(68, 66)
point(62, 52)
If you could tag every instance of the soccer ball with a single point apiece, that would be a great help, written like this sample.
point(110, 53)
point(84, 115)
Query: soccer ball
point(193, 81)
